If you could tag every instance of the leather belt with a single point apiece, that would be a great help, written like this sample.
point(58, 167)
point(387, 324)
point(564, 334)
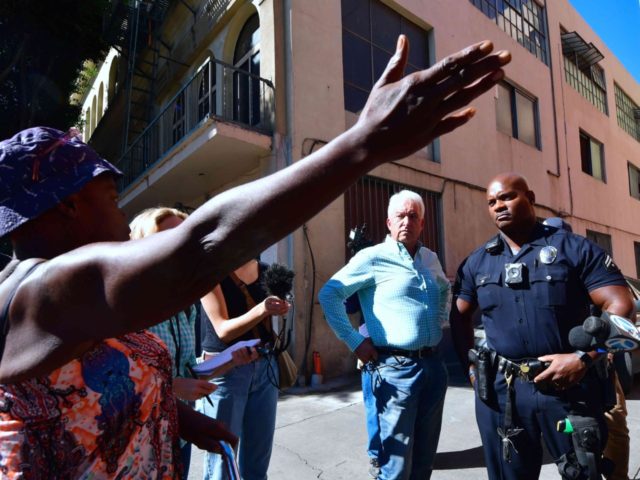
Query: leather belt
point(398, 352)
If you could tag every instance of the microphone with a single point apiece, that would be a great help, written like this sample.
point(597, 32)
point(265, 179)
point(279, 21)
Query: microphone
point(610, 332)
point(278, 281)
point(616, 332)
point(581, 340)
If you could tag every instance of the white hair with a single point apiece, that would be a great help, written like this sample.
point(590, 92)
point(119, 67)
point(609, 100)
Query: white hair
point(402, 196)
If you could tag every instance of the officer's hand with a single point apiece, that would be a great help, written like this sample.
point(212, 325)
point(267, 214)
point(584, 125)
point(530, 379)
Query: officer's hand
point(366, 352)
point(564, 371)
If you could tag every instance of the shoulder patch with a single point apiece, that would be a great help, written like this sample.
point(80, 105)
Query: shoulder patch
point(609, 264)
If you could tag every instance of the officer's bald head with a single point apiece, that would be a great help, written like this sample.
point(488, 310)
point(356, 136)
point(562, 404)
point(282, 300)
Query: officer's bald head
point(510, 203)
point(511, 180)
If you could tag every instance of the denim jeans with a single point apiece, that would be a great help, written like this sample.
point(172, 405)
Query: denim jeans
point(409, 395)
point(371, 415)
point(246, 402)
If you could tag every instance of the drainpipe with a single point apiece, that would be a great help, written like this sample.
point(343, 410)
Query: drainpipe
point(555, 113)
point(288, 136)
point(553, 94)
point(288, 89)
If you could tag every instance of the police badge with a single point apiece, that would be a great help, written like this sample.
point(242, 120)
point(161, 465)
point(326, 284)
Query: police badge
point(548, 254)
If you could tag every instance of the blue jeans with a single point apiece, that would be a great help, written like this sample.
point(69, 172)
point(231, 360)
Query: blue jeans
point(409, 396)
point(246, 402)
point(371, 415)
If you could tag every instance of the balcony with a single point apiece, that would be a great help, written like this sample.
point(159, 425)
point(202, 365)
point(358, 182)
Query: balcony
point(216, 128)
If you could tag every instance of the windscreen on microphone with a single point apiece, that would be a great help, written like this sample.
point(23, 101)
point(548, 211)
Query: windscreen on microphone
point(278, 280)
point(597, 327)
point(581, 340)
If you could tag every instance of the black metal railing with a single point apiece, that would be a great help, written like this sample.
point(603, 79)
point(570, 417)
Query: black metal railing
point(216, 90)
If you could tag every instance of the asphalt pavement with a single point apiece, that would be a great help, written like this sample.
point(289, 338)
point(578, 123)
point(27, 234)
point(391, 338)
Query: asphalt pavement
point(320, 434)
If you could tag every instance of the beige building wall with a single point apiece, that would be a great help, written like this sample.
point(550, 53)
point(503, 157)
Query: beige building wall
point(472, 155)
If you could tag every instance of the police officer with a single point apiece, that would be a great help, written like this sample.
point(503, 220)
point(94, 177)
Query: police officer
point(532, 283)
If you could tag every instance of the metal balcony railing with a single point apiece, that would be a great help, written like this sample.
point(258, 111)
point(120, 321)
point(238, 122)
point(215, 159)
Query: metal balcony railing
point(216, 90)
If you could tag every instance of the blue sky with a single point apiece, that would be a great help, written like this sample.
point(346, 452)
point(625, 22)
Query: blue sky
point(617, 23)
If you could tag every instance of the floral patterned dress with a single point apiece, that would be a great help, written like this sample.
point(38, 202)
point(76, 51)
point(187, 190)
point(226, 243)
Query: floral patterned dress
point(109, 414)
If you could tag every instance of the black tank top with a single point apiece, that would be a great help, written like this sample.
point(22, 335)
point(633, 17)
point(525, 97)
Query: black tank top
point(236, 306)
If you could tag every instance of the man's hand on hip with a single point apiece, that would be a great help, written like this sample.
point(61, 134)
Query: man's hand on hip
point(366, 351)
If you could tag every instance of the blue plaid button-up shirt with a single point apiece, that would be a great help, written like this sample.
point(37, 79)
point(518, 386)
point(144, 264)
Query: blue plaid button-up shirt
point(404, 300)
point(179, 334)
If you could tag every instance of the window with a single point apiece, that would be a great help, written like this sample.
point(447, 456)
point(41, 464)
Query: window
point(246, 86)
point(178, 121)
point(367, 202)
point(592, 156)
point(522, 20)
point(601, 239)
point(627, 113)
point(517, 114)
point(369, 33)
point(636, 249)
point(581, 69)
point(634, 180)
point(207, 90)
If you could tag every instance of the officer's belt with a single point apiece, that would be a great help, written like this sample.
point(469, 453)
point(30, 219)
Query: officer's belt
point(525, 369)
point(399, 352)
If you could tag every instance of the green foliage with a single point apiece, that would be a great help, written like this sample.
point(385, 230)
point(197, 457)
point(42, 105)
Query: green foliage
point(83, 81)
point(43, 45)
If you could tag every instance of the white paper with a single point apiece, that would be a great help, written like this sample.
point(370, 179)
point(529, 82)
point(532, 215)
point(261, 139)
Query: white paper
point(211, 364)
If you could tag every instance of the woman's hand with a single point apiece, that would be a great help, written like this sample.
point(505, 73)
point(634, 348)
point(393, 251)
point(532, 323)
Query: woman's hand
point(191, 389)
point(275, 306)
point(242, 356)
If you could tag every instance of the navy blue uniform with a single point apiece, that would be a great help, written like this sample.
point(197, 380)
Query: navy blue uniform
point(530, 319)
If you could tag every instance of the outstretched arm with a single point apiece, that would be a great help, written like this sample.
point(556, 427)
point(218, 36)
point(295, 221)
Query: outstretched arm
point(103, 290)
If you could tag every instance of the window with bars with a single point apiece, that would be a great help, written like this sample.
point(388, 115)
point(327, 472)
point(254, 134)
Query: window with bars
point(517, 114)
point(601, 239)
point(592, 157)
point(589, 82)
point(627, 113)
point(522, 20)
point(366, 202)
point(634, 180)
point(370, 30)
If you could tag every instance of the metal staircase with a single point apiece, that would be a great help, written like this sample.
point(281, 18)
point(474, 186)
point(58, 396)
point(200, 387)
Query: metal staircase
point(134, 29)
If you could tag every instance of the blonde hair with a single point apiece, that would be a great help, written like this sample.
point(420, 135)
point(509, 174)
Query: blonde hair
point(147, 221)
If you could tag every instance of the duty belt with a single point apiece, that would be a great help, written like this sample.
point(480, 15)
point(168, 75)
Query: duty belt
point(398, 352)
point(525, 369)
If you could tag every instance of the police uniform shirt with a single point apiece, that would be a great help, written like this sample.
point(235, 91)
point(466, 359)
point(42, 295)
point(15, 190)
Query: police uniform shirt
point(533, 317)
